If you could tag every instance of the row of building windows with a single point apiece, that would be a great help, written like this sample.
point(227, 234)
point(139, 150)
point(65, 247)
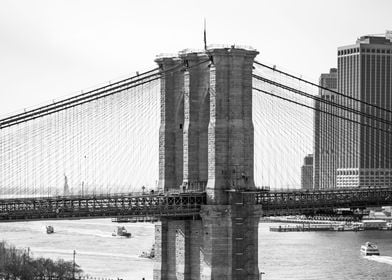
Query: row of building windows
point(363, 179)
point(355, 172)
point(356, 50)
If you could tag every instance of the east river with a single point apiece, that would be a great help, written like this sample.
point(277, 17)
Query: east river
point(282, 255)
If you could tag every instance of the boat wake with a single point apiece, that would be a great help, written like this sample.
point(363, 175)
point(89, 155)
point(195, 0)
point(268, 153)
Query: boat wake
point(380, 259)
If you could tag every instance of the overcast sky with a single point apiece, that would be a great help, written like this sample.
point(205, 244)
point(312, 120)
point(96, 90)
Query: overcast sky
point(51, 48)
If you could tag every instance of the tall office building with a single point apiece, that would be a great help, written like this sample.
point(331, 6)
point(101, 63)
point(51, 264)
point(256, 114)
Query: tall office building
point(325, 133)
point(365, 73)
point(307, 173)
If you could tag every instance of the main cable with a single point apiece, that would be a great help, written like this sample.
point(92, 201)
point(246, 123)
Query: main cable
point(84, 98)
point(321, 87)
point(318, 99)
point(326, 112)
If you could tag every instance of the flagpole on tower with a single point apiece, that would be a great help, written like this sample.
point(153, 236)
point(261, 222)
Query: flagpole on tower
point(205, 35)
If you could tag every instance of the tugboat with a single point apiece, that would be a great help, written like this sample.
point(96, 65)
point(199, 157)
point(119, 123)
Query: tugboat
point(121, 231)
point(49, 229)
point(369, 249)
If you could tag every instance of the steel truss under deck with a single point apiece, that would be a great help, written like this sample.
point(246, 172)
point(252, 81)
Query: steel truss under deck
point(322, 201)
point(94, 206)
point(188, 205)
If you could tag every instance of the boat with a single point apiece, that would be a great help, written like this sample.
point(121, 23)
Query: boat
point(148, 255)
point(369, 249)
point(121, 231)
point(49, 229)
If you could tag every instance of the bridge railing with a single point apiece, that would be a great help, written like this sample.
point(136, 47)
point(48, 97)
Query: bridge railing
point(161, 205)
point(302, 202)
point(188, 204)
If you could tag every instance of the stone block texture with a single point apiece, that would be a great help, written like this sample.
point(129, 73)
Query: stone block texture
point(206, 134)
point(230, 130)
point(172, 121)
point(230, 240)
point(196, 119)
point(177, 249)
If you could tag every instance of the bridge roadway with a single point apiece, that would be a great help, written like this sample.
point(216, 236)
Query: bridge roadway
point(188, 204)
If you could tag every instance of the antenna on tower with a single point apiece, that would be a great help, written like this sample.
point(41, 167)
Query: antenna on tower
point(205, 35)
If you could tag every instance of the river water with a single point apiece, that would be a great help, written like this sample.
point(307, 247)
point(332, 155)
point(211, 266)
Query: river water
point(282, 255)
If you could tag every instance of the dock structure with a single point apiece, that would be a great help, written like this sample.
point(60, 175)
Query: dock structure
point(302, 227)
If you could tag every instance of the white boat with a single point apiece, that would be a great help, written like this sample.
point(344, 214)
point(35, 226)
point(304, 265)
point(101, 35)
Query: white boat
point(369, 249)
point(149, 255)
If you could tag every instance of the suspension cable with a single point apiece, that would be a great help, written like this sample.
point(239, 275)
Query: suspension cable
point(321, 87)
point(328, 102)
point(318, 110)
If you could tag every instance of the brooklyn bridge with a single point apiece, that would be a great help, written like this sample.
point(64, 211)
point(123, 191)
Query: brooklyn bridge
point(77, 158)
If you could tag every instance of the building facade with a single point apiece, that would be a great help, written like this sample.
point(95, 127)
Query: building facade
point(364, 149)
point(307, 173)
point(325, 133)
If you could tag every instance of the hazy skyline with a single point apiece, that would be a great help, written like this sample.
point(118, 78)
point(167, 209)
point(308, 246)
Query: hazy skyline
point(51, 49)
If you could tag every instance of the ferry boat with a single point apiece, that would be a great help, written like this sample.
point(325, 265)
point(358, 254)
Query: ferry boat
point(121, 231)
point(369, 249)
point(49, 229)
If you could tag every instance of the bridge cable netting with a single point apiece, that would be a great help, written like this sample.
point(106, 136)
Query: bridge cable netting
point(90, 143)
point(101, 141)
point(106, 140)
point(294, 117)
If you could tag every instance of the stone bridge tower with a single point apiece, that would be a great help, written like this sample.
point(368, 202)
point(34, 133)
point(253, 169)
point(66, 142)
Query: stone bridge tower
point(206, 141)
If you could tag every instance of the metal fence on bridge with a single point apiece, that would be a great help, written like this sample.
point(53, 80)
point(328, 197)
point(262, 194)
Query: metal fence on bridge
point(189, 204)
point(152, 205)
point(322, 201)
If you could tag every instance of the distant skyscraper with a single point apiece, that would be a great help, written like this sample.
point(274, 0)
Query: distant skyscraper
point(325, 134)
point(307, 173)
point(365, 73)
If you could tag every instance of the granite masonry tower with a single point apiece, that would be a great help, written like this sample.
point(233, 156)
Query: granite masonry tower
point(206, 143)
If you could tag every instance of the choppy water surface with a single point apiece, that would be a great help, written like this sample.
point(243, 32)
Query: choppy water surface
point(290, 255)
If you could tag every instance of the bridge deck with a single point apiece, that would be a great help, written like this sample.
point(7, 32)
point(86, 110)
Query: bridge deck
point(308, 202)
point(94, 206)
point(187, 205)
